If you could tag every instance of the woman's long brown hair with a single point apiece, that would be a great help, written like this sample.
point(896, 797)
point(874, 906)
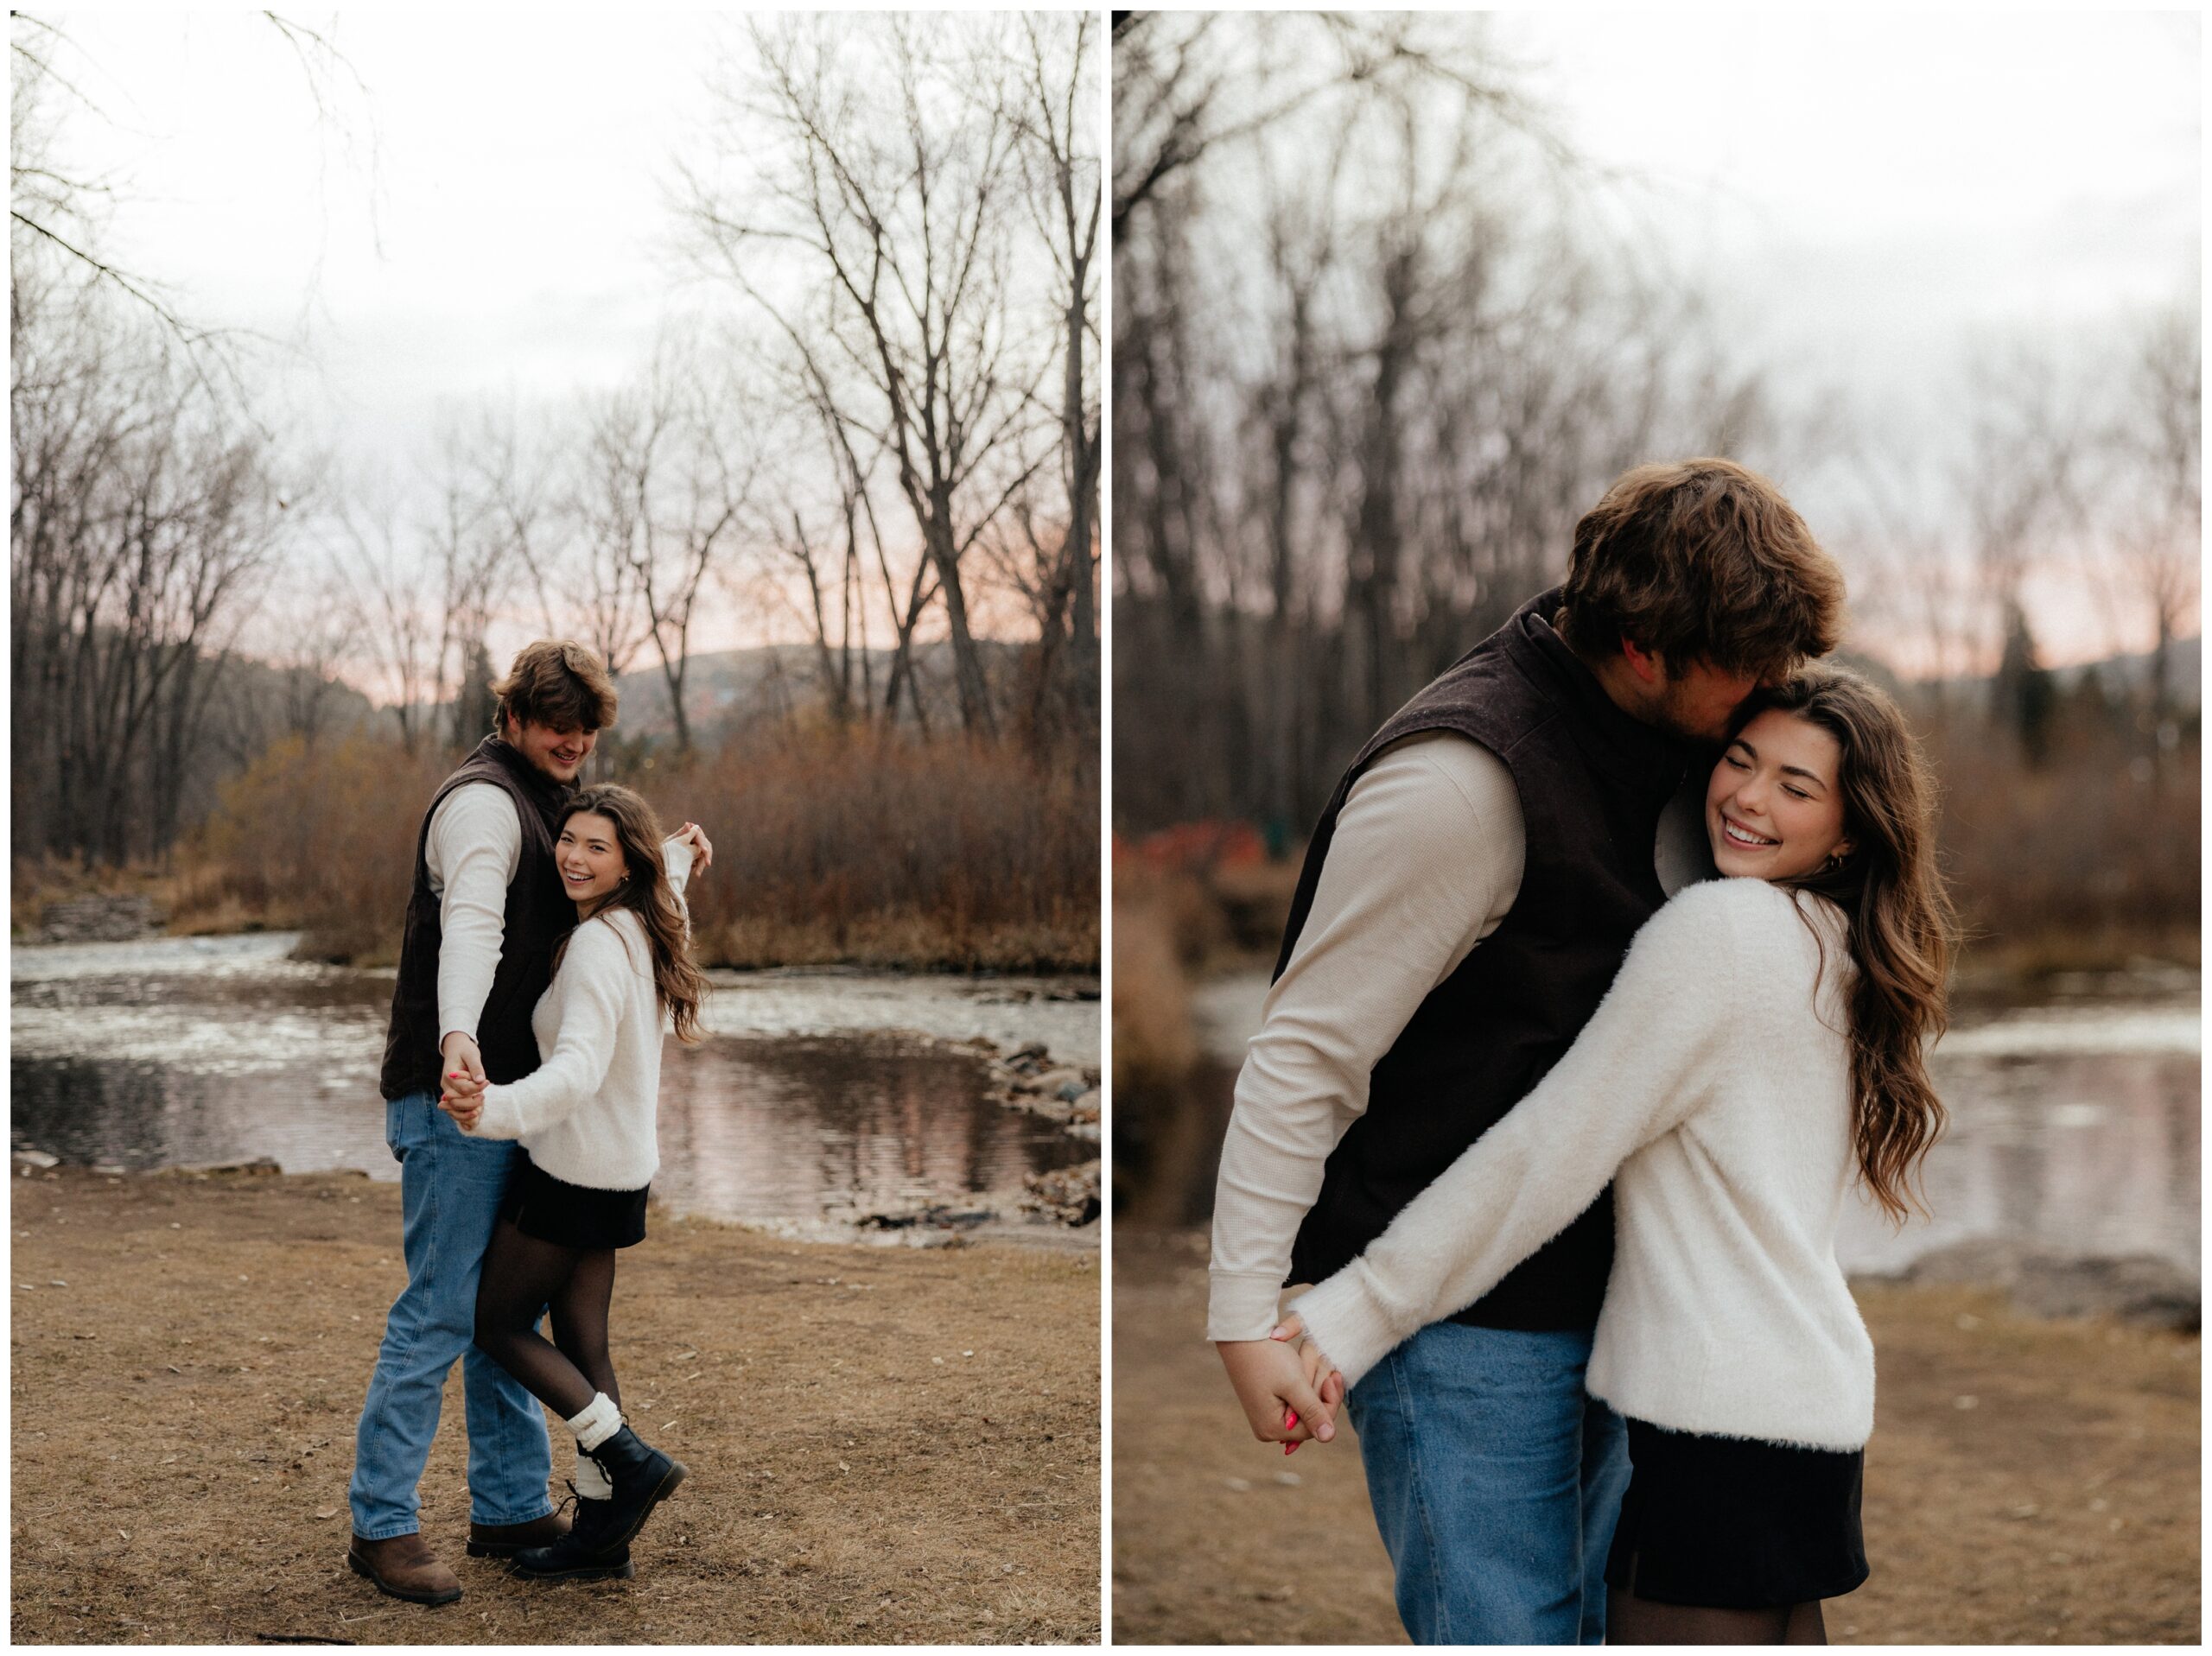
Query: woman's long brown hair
point(1900, 924)
point(646, 891)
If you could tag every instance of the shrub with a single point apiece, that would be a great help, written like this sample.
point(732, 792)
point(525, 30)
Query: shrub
point(828, 845)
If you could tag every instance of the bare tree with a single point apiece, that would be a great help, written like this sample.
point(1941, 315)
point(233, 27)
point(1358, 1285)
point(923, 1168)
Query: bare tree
point(2018, 479)
point(2158, 439)
point(469, 559)
point(671, 481)
point(1054, 121)
point(1373, 358)
point(139, 519)
point(512, 470)
point(60, 212)
point(792, 524)
point(389, 586)
point(889, 188)
point(1187, 84)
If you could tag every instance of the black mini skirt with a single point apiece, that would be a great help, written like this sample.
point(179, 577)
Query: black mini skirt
point(572, 1215)
point(1732, 1523)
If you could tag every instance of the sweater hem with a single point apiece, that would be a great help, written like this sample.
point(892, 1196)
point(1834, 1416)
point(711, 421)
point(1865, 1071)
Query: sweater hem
point(598, 1182)
point(1850, 1444)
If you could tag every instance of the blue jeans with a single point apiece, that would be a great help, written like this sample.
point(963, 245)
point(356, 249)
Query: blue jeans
point(1495, 1480)
point(449, 1190)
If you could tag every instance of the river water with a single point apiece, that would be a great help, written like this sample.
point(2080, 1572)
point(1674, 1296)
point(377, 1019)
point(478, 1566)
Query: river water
point(2074, 1120)
point(820, 1096)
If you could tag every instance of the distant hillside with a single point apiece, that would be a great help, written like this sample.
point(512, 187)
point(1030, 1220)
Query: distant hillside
point(731, 689)
point(2185, 672)
point(2122, 676)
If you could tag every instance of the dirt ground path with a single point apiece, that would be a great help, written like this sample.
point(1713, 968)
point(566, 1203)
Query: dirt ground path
point(2028, 1482)
point(887, 1446)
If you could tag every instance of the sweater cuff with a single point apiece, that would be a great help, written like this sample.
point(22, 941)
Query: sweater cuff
point(1242, 1306)
point(500, 1119)
point(1353, 1329)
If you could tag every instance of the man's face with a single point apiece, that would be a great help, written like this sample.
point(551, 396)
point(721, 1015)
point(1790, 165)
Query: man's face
point(1698, 700)
point(556, 753)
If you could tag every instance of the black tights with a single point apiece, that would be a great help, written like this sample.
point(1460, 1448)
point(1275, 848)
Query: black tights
point(523, 1279)
point(1633, 1621)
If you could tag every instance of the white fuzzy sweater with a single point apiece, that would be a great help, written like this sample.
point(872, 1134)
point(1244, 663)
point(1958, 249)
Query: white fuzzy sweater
point(1712, 1088)
point(587, 1114)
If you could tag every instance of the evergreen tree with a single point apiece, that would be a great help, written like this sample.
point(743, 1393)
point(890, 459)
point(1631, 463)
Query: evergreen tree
point(474, 707)
point(2023, 699)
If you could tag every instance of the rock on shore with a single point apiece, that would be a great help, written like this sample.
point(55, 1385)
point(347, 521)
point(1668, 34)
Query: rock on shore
point(99, 920)
point(1027, 1079)
point(1067, 1194)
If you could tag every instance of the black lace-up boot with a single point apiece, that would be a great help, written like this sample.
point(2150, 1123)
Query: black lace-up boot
point(587, 1553)
point(642, 1476)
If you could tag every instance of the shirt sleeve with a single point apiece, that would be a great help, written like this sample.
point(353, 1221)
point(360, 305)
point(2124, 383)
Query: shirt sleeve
point(475, 846)
point(1631, 1076)
point(1426, 861)
point(677, 856)
point(594, 984)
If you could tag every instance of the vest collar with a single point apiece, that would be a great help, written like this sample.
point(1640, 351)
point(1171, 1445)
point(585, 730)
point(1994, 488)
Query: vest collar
point(1639, 754)
point(549, 795)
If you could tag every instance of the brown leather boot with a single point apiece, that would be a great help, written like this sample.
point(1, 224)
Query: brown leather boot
point(505, 1540)
point(405, 1567)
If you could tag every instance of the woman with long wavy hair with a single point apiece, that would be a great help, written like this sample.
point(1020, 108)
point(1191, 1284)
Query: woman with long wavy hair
point(585, 1119)
point(1760, 1052)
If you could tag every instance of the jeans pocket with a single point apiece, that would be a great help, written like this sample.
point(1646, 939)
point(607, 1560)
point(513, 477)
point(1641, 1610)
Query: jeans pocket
point(405, 1127)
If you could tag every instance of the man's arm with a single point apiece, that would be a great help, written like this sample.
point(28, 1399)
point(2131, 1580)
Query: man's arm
point(1426, 861)
point(475, 845)
point(1646, 1061)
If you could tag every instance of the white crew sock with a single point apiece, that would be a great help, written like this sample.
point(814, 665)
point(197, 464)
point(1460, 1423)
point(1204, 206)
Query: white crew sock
point(592, 1481)
point(598, 1420)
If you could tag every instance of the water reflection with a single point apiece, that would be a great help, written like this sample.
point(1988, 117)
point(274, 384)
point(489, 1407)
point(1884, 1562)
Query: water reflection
point(2094, 1156)
point(804, 1129)
point(183, 1051)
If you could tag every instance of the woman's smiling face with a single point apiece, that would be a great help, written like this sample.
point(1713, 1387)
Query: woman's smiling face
point(1774, 808)
point(589, 857)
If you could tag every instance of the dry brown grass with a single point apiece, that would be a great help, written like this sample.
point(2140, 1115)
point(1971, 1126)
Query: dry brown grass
point(322, 838)
point(952, 848)
point(2082, 862)
point(855, 848)
point(2060, 1508)
point(1154, 1044)
point(1156, 1051)
point(184, 1409)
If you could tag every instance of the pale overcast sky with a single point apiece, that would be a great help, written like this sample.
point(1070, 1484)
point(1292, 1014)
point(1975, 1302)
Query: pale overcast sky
point(1870, 195)
point(1898, 179)
point(486, 211)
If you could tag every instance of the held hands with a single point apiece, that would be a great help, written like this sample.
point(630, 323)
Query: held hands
point(463, 1101)
point(695, 836)
point(1277, 1384)
point(1321, 1374)
point(463, 1095)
